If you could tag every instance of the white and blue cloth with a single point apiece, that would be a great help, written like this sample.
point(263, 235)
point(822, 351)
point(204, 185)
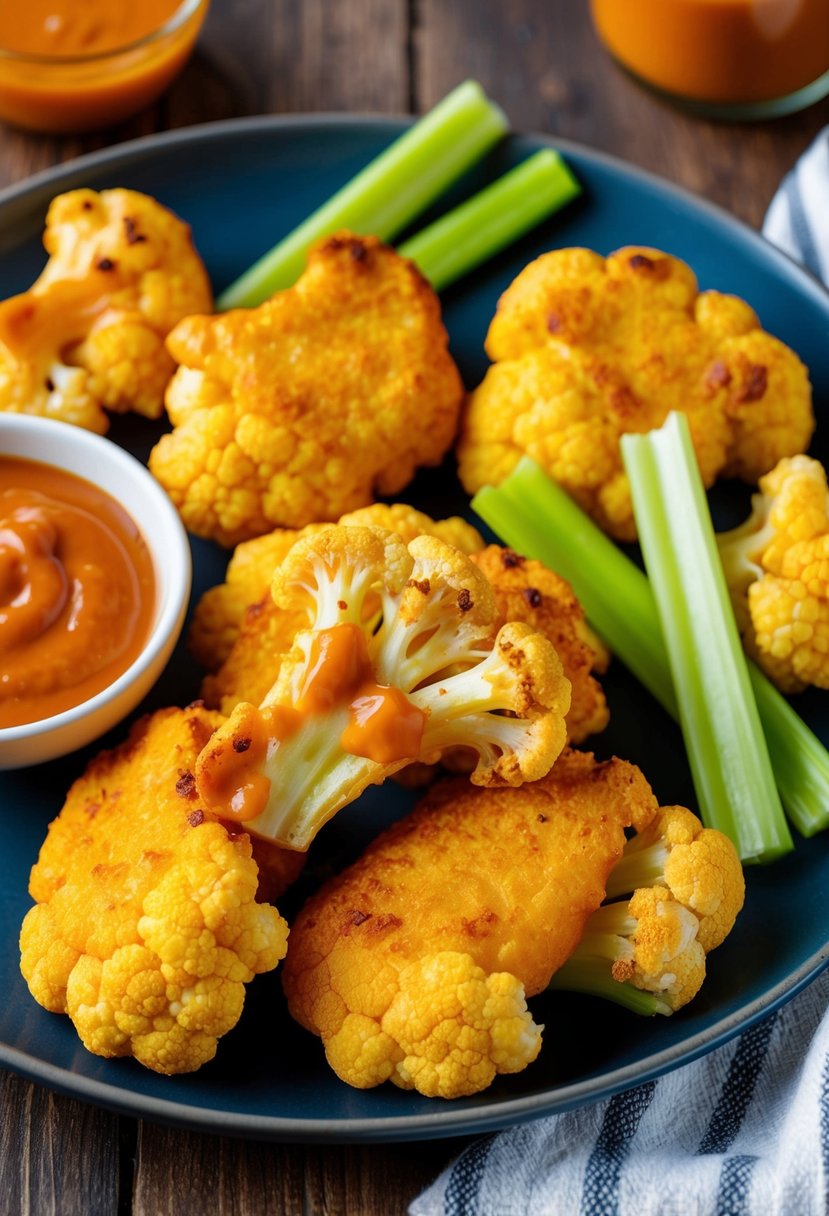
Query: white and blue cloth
point(744, 1131)
point(798, 218)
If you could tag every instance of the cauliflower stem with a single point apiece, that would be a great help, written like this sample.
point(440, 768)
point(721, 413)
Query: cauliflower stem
point(537, 518)
point(402, 660)
point(675, 894)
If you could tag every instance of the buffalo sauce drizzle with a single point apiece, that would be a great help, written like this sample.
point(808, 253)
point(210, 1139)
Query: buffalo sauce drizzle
point(382, 723)
point(77, 591)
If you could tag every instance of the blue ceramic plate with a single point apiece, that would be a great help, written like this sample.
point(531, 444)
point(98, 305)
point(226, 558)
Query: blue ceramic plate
point(241, 185)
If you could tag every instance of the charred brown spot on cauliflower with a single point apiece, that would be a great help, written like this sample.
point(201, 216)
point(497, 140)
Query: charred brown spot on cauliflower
point(414, 965)
point(89, 335)
point(417, 630)
point(304, 408)
point(527, 591)
point(238, 628)
point(586, 349)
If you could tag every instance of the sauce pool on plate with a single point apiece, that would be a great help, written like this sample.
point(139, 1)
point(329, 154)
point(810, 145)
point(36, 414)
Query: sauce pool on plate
point(77, 591)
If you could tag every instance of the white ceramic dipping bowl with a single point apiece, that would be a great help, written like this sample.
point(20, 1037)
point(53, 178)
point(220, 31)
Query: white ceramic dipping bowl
point(125, 479)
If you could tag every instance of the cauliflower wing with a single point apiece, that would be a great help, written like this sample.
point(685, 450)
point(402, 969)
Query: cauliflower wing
point(403, 660)
point(146, 927)
point(300, 410)
point(413, 965)
point(777, 568)
point(237, 627)
point(89, 335)
point(587, 348)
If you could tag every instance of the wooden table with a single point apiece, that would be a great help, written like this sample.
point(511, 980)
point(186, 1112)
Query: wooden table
point(540, 60)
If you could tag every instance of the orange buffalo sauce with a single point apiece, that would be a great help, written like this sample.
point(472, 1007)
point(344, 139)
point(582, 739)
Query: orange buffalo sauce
point(71, 65)
point(77, 591)
point(58, 27)
point(381, 723)
point(719, 51)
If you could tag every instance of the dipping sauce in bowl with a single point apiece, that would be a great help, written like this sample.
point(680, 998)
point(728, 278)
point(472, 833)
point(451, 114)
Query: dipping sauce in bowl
point(93, 590)
point(75, 65)
point(77, 591)
point(731, 58)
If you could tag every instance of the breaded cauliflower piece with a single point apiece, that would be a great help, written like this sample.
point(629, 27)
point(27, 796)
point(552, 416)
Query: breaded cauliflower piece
point(401, 658)
point(304, 408)
point(240, 615)
point(527, 591)
point(413, 965)
point(146, 926)
point(89, 335)
point(777, 568)
point(586, 349)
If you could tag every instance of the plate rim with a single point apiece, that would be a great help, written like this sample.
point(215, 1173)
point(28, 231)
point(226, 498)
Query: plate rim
point(453, 1121)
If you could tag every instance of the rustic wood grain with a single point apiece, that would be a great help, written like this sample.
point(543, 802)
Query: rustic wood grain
point(191, 1174)
point(259, 57)
point(541, 60)
point(57, 1156)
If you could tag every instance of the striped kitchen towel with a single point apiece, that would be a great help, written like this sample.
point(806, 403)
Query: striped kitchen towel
point(744, 1131)
point(798, 218)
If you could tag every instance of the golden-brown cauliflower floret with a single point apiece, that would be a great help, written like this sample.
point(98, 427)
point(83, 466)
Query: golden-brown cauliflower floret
point(685, 886)
point(89, 335)
point(698, 866)
point(586, 349)
point(413, 965)
point(401, 658)
point(527, 591)
point(146, 926)
point(777, 568)
point(240, 615)
point(302, 409)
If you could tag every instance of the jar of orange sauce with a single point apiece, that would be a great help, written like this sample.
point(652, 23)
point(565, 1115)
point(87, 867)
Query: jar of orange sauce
point(726, 58)
point(78, 65)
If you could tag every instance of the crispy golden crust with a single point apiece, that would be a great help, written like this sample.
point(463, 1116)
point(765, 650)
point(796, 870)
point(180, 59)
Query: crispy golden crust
point(147, 926)
point(304, 408)
point(88, 337)
point(586, 349)
point(126, 816)
point(506, 876)
point(529, 592)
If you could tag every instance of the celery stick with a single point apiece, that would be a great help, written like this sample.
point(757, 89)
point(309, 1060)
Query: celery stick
point(388, 193)
point(487, 223)
point(537, 518)
point(723, 736)
point(592, 977)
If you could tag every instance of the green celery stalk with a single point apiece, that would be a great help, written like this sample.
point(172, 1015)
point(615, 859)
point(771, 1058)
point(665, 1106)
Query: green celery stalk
point(388, 193)
point(479, 228)
point(592, 977)
point(537, 518)
point(727, 750)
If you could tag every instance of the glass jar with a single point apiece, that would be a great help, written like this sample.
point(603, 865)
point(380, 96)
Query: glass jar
point(736, 59)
